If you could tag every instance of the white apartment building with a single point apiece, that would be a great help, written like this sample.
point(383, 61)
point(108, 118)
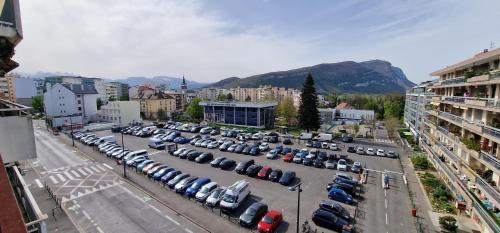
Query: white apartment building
point(414, 114)
point(344, 114)
point(70, 103)
point(462, 134)
point(121, 112)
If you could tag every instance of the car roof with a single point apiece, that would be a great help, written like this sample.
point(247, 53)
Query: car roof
point(273, 213)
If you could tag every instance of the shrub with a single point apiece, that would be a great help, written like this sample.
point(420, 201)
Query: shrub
point(420, 162)
point(448, 223)
point(471, 144)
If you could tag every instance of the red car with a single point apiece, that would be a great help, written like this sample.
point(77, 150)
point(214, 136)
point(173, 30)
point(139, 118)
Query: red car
point(264, 172)
point(288, 157)
point(270, 221)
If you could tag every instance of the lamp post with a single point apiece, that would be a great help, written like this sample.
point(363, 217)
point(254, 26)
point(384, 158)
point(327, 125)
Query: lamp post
point(72, 136)
point(123, 158)
point(298, 189)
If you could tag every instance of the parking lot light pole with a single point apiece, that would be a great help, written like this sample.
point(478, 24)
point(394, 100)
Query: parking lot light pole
point(72, 136)
point(298, 189)
point(123, 159)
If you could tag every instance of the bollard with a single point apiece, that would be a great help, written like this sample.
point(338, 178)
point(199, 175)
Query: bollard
point(414, 212)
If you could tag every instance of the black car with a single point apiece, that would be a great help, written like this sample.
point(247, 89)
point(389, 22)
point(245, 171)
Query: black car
point(287, 178)
point(196, 129)
point(193, 156)
point(316, 144)
point(322, 155)
point(216, 162)
point(275, 175)
point(192, 153)
point(253, 214)
point(239, 148)
point(215, 132)
point(335, 208)
point(205, 157)
point(252, 170)
point(344, 186)
point(286, 150)
point(318, 163)
point(347, 139)
point(255, 151)
point(328, 220)
point(116, 129)
point(247, 150)
point(227, 163)
point(166, 178)
point(351, 149)
point(243, 165)
point(287, 141)
point(272, 139)
point(307, 161)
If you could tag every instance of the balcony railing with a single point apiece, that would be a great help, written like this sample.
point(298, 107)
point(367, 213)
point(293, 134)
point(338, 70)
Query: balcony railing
point(486, 216)
point(492, 192)
point(458, 120)
point(453, 81)
point(490, 159)
point(491, 131)
point(475, 101)
point(450, 154)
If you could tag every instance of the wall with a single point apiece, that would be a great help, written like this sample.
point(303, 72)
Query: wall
point(59, 101)
point(17, 141)
point(90, 104)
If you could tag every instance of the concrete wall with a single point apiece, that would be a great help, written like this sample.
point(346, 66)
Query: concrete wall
point(17, 141)
point(90, 105)
point(59, 101)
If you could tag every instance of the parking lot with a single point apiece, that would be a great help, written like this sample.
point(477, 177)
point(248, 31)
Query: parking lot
point(376, 209)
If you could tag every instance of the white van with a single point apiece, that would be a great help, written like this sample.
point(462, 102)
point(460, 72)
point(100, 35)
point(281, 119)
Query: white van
point(156, 143)
point(235, 195)
point(324, 137)
point(306, 136)
point(109, 139)
point(136, 153)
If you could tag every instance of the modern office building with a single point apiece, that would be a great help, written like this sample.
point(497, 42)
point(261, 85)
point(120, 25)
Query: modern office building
point(462, 134)
point(251, 114)
point(121, 112)
point(414, 114)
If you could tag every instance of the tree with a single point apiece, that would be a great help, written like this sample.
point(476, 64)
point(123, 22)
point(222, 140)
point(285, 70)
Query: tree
point(111, 98)
point(229, 96)
point(286, 110)
point(160, 114)
point(308, 109)
point(393, 109)
point(194, 110)
point(99, 103)
point(391, 124)
point(37, 103)
point(448, 223)
point(356, 129)
point(221, 97)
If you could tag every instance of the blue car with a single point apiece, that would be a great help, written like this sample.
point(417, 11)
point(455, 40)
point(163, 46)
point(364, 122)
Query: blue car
point(340, 195)
point(196, 186)
point(328, 219)
point(278, 149)
point(143, 164)
point(170, 175)
point(159, 174)
point(183, 140)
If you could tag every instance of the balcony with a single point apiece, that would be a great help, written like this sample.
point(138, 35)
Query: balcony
point(479, 78)
point(492, 131)
point(455, 119)
point(489, 190)
point(449, 153)
point(485, 215)
point(476, 128)
point(452, 81)
point(490, 161)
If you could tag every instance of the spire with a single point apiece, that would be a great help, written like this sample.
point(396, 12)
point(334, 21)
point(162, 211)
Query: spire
point(184, 84)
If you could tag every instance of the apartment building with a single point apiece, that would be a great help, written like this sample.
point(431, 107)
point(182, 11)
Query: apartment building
point(7, 90)
point(266, 93)
point(99, 84)
point(154, 103)
point(414, 113)
point(461, 134)
point(111, 91)
point(211, 94)
point(121, 112)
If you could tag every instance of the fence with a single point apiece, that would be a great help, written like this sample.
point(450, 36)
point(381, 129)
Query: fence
point(57, 200)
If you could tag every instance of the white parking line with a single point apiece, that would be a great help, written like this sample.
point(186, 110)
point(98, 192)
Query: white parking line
point(386, 219)
point(75, 173)
point(68, 175)
point(38, 183)
point(156, 152)
point(98, 166)
point(111, 168)
point(386, 203)
point(53, 180)
point(140, 199)
point(155, 209)
point(61, 177)
point(99, 230)
point(86, 215)
point(95, 169)
point(187, 230)
point(385, 192)
point(81, 171)
point(88, 170)
point(172, 220)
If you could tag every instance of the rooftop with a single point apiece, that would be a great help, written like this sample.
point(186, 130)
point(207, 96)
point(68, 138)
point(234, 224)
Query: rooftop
point(81, 88)
point(477, 59)
point(238, 104)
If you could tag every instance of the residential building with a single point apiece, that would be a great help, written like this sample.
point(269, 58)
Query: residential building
point(158, 101)
point(211, 94)
point(98, 83)
point(39, 86)
point(67, 104)
point(414, 114)
point(121, 112)
point(343, 113)
point(250, 114)
point(7, 90)
point(111, 91)
point(462, 134)
point(121, 90)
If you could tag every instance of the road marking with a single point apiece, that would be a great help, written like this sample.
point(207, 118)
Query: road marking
point(53, 180)
point(98, 166)
point(140, 199)
point(156, 152)
point(386, 171)
point(386, 203)
point(86, 215)
point(111, 168)
point(187, 230)
point(172, 220)
point(155, 209)
point(61, 177)
point(81, 171)
point(68, 175)
point(385, 192)
point(99, 230)
point(38, 183)
point(95, 169)
point(88, 170)
point(386, 219)
point(75, 173)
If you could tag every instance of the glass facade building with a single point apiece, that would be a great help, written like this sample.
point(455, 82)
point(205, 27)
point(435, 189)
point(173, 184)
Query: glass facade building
point(251, 114)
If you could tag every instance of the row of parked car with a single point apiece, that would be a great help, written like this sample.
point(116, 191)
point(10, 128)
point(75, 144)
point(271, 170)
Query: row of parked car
point(370, 151)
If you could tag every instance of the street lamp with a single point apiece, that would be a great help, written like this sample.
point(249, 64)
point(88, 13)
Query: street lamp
point(72, 136)
point(123, 158)
point(298, 189)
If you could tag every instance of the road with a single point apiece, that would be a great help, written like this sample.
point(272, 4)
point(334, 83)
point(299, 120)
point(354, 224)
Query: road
point(94, 196)
point(372, 204)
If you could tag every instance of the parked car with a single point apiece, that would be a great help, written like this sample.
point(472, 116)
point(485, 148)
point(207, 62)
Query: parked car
point(203, 158)
point(205, 191)
point(272, 154)
point(160, 173)
point(288, 157)
point(307, 161)
point(370, 151)
point(286, 150)
point(184, 184)
point(380, 152)
point(328, 220)
point(336, 209)
point(340, 195)
point(264, 146)
point(351, 149)
point(287, 178)
point(342, 165)
point(215, 197)
point(275, 175)
point(239, 148)
point(252, 170)
point(254, 151)
point(341, 184)
point(360, 151)
point(193, 156)
point(143, 164)
point(253, 214)
point(196, 186)
point(227, 163)
point(287, 141)
point(171, 184)
point(318, 163)
point(334, 147)
point(270, 221)
point(330, 164)
point(356, 167)
point(232, 148)
point(264, 172)
point(243, 165)
point(170, 175)
point(217, 161)
point(392, 154)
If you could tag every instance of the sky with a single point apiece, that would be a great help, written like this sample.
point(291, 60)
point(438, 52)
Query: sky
point(210, 40)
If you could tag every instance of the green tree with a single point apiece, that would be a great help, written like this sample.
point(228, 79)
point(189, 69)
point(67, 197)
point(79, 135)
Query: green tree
point(393, 109)
point(99, 103)
point(160, 114)
point(221, 97)
point(286, 110)
point(124, 98)
point(356, 129)
point(37, 103)
point(111, 98)
point(194, 110)
point(229, 96)
point(308, 110)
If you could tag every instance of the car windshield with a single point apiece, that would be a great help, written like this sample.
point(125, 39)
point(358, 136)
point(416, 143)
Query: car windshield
point(229, 198)
point(205, 190)
point(216, 193)
point(197, 184)
point(267, 219)
point(341, 162)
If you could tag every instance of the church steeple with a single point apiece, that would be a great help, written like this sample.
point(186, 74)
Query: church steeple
point(184, 84)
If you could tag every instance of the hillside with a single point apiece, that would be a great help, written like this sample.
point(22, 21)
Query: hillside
point(371, 77)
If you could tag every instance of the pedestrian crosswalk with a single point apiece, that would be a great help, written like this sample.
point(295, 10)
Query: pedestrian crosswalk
point(384, 140)
point(60, 176)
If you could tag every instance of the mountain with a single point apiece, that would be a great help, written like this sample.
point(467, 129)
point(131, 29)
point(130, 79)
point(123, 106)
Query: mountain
point(371, 77)
point(171, 82)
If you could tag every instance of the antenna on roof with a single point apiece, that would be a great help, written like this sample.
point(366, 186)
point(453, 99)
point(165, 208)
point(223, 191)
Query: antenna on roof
point(492, 45)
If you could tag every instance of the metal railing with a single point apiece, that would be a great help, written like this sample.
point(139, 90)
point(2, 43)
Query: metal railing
point(490, 159)
point(452, 117)
point(450, 154)
point(453, 81)
point(488, 188)
point(486, 216)
point(491, 131)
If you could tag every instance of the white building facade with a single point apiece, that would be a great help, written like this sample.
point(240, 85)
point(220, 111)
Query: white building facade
point(121, 112)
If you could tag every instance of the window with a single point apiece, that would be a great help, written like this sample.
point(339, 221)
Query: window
point(79, 108)
point(79, 102)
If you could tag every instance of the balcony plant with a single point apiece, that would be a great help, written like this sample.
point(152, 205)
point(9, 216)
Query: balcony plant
point(469, 74)
point(448, 223)
point(471, 144)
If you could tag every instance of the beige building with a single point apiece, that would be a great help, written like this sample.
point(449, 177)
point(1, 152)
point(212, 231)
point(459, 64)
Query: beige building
point(461, 134)
point(266, 93)
point(157, 102)
point(7, 90)
point(112, 91)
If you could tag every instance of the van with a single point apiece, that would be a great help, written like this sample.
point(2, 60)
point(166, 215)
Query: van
point(306, 136)
point(156, 144)
point(235, 195)
point(324, 137)
point(133, 154)
point(109, 139)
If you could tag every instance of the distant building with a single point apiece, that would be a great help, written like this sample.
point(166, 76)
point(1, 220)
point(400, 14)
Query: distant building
point(70, 103)
point(121, 112)
point(7, 90)
point(251, 114)
point(345, 114)
point(414, 114)
point(111, 92)
point(98, 83)
point(211, 94)
point(159, 101)
point(25, 89)
point(121, 90)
